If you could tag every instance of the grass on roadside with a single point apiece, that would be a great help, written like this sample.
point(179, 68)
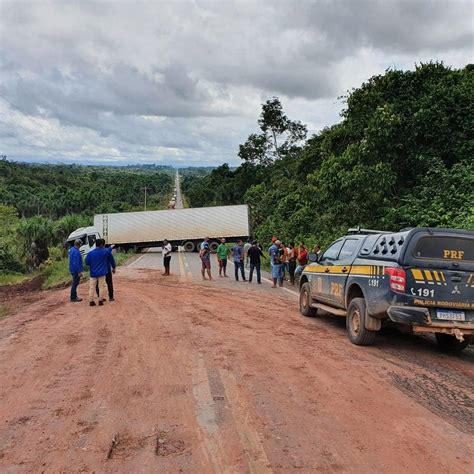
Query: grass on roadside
point(13, 278)
point(58, 272)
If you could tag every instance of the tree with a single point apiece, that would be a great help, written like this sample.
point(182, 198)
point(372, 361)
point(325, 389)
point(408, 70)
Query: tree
point(8, 246)
point(279, 136)
point(36, 234)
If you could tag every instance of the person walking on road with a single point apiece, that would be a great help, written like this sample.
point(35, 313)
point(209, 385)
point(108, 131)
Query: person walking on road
point(75, 268)
point(254, 254)
point(238, 255)
point(166, 251)
point(98, 262)
point(222, 253)
point(205, 256)
point(111, 265)
point(276, 257)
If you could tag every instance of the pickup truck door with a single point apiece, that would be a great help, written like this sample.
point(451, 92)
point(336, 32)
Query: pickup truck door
point(321, 277)
point(339, 273)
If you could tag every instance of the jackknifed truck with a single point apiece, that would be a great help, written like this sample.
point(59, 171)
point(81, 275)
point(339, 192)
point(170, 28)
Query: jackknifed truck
point(184, 228)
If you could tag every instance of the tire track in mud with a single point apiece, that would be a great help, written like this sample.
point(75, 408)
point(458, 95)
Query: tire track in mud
point(439, 389)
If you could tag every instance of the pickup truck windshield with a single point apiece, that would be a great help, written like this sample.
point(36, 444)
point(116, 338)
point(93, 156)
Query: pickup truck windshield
point(444, 248)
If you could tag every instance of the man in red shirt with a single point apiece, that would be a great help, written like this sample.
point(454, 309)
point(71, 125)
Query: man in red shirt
point(301, 258)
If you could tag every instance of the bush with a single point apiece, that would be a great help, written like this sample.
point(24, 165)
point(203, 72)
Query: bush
point(8, 260)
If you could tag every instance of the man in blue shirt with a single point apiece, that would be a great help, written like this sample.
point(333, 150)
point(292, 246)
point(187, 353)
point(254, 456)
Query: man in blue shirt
point(98, 261)
point(75, 268)
point(276, 258)
point(238, 254)
point(108, 278)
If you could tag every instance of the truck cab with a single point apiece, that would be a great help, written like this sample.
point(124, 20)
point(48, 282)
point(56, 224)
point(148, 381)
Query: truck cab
point(422, 278)
point(88, 236)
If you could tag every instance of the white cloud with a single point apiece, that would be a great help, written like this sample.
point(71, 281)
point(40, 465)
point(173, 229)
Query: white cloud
point(183, 81)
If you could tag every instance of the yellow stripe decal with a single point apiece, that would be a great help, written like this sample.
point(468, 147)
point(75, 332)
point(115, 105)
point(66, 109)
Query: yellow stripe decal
point(435, 274)
point(417, 275)
point(428, 275)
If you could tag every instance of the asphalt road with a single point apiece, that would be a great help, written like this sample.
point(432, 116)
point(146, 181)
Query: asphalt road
point(179, 197)
point(188, 267)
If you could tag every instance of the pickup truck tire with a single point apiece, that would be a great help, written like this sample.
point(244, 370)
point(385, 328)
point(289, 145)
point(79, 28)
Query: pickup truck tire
point(355, 324)
point(450, 343)
point(306, 301)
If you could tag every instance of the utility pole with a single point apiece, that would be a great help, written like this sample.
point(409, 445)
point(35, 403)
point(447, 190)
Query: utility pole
point(146, 189)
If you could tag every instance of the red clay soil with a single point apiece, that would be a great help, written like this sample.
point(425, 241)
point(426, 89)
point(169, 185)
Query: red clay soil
point(177, 377)
point(8, 292)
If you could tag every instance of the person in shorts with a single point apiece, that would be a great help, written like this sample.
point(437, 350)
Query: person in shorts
point(222, 253)
point(205, 256)
point(276, 256)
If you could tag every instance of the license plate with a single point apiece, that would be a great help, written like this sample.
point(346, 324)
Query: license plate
point(451, 315)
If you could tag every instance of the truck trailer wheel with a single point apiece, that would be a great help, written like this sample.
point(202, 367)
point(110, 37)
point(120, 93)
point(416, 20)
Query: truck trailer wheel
point(355, 324)
point(450, 343)
point(213, 246)
point(189, 246)
point(306, 301)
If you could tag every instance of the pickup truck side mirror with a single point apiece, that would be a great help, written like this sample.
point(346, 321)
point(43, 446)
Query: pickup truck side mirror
point(312, 257)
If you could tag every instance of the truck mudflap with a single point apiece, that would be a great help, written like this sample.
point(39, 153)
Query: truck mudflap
point(409, 315)
point(421, 322)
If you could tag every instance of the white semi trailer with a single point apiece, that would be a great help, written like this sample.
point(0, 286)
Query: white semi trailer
point(181, 227)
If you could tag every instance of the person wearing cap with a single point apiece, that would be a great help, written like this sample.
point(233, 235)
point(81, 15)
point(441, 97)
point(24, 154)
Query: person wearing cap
point(222, 253)
point(276, 257)
point(75, 268)
point(271, 250)
point(205, 256)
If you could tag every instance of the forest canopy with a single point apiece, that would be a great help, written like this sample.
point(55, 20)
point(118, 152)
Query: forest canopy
point(402, 156)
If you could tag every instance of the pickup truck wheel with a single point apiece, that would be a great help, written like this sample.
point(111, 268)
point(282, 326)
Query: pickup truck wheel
point(450, 343)
point(355, 324)
point(306, 301)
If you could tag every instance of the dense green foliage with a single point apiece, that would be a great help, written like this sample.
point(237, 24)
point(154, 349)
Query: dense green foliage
point(402, 156)
point(40, 205)
point(55, 191)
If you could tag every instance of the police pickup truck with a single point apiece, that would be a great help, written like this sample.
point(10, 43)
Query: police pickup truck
point(421, 277)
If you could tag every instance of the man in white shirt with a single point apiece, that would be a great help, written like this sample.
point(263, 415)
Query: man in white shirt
point(166, 251)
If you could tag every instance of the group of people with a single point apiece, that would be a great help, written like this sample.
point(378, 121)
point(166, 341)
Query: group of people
point(102, 265)
point(289, 259)
point(284, 259)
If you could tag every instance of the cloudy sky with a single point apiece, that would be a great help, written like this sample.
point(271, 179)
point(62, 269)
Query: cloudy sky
point(181, 82)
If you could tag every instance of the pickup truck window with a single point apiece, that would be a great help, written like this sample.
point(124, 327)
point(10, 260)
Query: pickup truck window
point(348, 249)
point(333, 251)
point(455, 249)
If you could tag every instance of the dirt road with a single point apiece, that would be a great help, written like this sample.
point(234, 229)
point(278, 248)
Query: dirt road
point(179, 375)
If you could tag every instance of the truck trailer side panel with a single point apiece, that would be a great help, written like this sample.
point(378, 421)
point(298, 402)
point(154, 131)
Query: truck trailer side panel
point(174, 225)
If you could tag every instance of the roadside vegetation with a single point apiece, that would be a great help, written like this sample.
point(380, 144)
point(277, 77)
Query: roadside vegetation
point(40, 205)
point(400, 157)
